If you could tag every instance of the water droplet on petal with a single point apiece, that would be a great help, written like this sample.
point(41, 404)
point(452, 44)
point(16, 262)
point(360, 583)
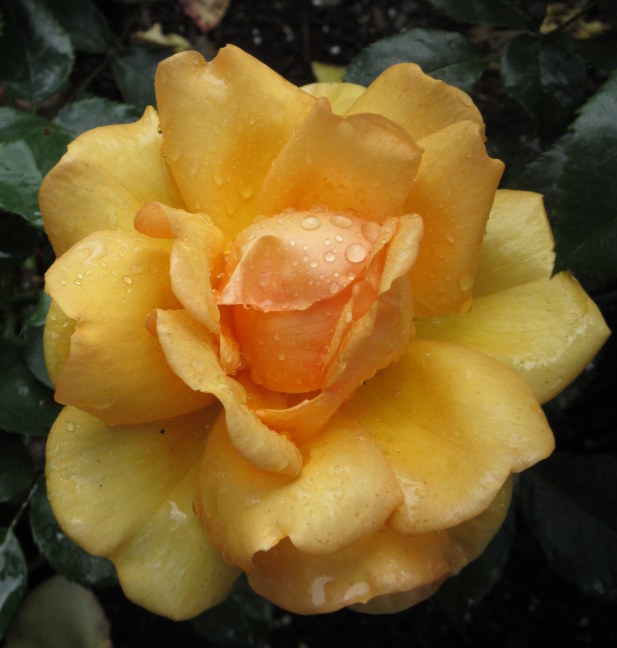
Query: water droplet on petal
point(355, 253)
point(310, 223)
point(340, 221)
point(314, 264)
point(329, 256)
point(127, 280)
point(334, 287)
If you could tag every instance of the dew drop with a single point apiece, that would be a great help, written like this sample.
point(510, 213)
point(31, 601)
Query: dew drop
point(310, 223)
point(355, 253)
point(70, 426)
point(327, 242)
point(340, 221)
point(370, 231)
point(314, 264)
point(334, 287)
point(329, 256)
point(127, 280)
point(264, 279)
point(339, 238)
point(245, 190)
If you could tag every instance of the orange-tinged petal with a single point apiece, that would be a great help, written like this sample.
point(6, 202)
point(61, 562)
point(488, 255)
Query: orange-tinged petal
point(345, 491)
point(57, 340)
point(453, 424)
point(197, 246)
point(453, 193)
point(106, 176)
point(518, 246)
point(385, 572)
point(420, 104)
point(223, 123)
point(125, 492)
point(340, 95)
point(548, 331)
point(108, 283)
point(363, 163)
point(193, 355)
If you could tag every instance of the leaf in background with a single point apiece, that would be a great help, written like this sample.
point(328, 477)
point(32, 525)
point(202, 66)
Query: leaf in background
point(16, 469)
point(84, 22)
point(505, 13)
point(585, 224)
point(448, 56)
point(63, 554)
point(244, 619)
point(26, 406)
point(546, 76)
point(326, 73)
point(13, 578)
point(134, 75)
point(600, 52)
point(571, 505)
point(32, 334)
point(59, 614)
point(36, 55)
point(608, 11)
point(85, 114)
point(17, 240)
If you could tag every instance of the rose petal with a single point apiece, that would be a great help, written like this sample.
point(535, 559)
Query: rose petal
point(57, 340)
point(344, 492)
point(453, 193)
point(547, 331)
point(340, 95)
point(109, 282)
point(107, 175)
point(364, 163)
point(164, 561)
point(223, 123)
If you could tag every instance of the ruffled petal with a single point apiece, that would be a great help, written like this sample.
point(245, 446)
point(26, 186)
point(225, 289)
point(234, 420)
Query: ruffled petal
point(345, 491)
point(548, 331)
point(340, 95)
point(106, 176)
point(453, 424)
point(518, 246)
point(417, 102)
point(223, 123)
point(108, 283)
point(453, 193)
point(385, 572)
point(363, 163)
point(57, 340)
point(192, 354)
point(125, 492)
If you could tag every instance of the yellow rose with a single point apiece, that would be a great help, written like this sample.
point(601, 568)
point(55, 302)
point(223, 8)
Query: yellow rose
point(263, 331)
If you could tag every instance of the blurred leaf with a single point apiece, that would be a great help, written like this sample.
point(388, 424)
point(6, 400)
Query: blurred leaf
point(571, 504)
point(85, 114)
point(505, 13)
point(32, 334)
point(85, 23)
point(13, 578)
point(38, 316)
point(546, 76)
point(326, 73)
point(26, 406)
point(134, 75)
point(585, 226)
point(62, 553)
point(608, 11)
point(448, 56)
point(16, 469)
point(59, 614)
point(206, 14)
point(600, 52)
point(243, 619)
point(36, 56)
point(17, 240)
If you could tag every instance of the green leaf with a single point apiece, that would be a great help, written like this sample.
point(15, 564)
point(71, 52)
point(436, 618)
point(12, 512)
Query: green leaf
point(85, 23)
point(585, 224)
point(244, 619)
point(36, 56)
point(13, 578)
point(32, 334)
point(16, 468)
point(571, 504)
point(85, 114)
point(608, 11)
point(59, 614)
point(546, 76)
point(600, 52)
point(62, 553)
point(134, 75)
point(26, 406)
point(448, 56)
point(17, 240)
point(505, 13)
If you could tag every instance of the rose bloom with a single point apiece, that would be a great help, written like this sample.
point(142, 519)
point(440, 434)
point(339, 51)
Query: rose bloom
point(299, 333)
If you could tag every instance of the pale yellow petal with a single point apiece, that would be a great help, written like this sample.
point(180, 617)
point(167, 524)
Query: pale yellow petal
point(362, 163)
point(57, 340)
point(223, 123)
point(344, 492)
point(417, 102)
point(108, 283)
point(125, 492)
point(106, 176)
point(548, 331)
point(518, 246)
point(340, 95)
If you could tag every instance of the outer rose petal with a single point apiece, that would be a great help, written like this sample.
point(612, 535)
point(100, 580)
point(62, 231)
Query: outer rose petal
point(163, 560)
point(345, 491)
point(399, 571)
point(109, 282)
point(107, 175)
point(420, 104)
point(223, 123)
point(340, 95)
point(548, 331)
point(453, 193)
point(57, 340)
point(453, 425)
point(364, 163)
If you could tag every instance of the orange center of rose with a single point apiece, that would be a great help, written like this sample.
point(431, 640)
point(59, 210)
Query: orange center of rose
point(287, 280)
